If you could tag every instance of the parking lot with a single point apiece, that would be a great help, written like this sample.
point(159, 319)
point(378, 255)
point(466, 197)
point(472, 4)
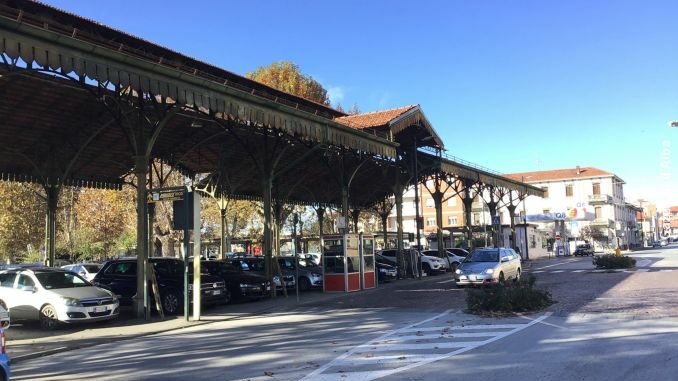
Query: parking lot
point(645, 291)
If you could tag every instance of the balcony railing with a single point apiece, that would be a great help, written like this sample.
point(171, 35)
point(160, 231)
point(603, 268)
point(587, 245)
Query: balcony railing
point(602, 222)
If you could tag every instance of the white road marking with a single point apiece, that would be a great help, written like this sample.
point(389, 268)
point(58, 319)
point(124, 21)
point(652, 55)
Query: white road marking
point(578, 271)
point(642, 270)
point(461, 327)
point(362, 355)
point(557, 271)
point(665, 270)
point(538, 271)
point(556, 264)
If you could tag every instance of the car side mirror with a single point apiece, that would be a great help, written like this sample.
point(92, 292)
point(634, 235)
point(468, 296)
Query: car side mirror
point(505, 259)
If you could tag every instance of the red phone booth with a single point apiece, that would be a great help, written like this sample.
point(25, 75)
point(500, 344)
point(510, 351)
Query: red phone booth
point(367, 270)
point(348, 262)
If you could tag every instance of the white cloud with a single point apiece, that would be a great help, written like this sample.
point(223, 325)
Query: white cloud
point(336, 94)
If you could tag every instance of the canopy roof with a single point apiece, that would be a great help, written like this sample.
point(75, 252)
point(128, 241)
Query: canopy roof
point(67, 84)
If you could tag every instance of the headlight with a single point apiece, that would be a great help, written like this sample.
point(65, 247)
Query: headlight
point(489, 271)
point(71, 302)
point(276, 279)
point(458, 271)
point(115, 297)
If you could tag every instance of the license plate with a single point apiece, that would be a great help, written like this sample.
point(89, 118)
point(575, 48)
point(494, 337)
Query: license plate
point(472, 277)
point(268, 288)
point(216, 292)
point(98, 309)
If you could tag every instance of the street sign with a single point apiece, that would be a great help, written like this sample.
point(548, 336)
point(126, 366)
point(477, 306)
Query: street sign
point(166, 194)
point(558, 237)
point(496, 220)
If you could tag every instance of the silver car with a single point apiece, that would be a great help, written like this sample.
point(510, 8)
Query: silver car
point(488, 266)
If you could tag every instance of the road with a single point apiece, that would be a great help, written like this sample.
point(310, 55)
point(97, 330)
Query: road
point(620, 326)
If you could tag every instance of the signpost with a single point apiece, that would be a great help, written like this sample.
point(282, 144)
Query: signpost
point(184, 203)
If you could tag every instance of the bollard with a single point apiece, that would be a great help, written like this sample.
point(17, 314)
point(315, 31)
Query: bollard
point(617, 252)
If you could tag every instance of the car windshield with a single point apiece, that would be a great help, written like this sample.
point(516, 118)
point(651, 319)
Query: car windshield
point(56, 280)
point(483, 256)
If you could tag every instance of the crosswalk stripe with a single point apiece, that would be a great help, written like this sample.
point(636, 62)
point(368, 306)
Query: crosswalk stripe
point(462, 327)
point(642, 270)
point(360, 361)
point(444, 335)
point(417, 347)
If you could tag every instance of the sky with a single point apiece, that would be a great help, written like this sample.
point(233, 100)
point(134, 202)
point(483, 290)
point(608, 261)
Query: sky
point(511, 85)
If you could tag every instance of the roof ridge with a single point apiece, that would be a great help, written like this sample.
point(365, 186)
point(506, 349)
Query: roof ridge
point(380, 111)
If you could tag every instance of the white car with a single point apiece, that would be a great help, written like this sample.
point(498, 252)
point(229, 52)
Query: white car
point(54, 295)
point(85, 270)
point(431, 264)
point(455, 257)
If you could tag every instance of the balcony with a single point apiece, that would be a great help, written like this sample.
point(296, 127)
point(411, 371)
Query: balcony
point(477, 206)
point(602, 222)
point(600, 199)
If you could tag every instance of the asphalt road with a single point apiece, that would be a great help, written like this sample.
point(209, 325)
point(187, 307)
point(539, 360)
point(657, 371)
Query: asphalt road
point(606, 326)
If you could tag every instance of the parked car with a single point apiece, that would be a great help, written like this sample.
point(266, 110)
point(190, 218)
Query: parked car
point(584, 249)
point(120, 276)
point(239, 284)
point(386, 272)
point(454, 257)
point(310, 275)
point(53, 296)
point(489, 265)
point(257, 265)
point(431, 264)
point(4, 359)
point(409, 255)
point(85, 270)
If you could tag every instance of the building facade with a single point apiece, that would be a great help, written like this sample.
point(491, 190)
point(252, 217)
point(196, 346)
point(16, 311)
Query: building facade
point(582, 203)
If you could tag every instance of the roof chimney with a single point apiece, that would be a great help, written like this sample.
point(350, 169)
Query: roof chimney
point(578, 170)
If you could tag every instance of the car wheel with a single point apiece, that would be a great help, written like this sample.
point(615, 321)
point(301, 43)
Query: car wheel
point(501, 278)
point(48, 318)
point(171, 303)
point(455, 266)
point(517, 279)
point(227, 296)
point(426, 268)
point(304, 284)
point(3, 305)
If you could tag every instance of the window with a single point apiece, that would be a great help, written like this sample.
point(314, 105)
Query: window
point(429, 203)
point(568, 190)
point(452, 220)
point(452, 201)
point(599, 212)
point(546, 191)
point(7, 280)
point(122, 268)
point(431, 222)
point(596, 188)
point(25, 281)
point(476, 219)
point(546, 211)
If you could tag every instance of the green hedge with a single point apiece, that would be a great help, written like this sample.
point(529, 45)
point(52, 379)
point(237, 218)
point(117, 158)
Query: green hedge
point(521, 296)
point(610, 261)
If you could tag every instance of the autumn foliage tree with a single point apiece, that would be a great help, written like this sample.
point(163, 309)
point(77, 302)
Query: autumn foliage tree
point(287, 76)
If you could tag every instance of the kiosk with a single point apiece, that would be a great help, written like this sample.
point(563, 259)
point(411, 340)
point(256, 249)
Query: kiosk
point(348, 262)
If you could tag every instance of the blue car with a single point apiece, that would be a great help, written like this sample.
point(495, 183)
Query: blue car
point(4, 359)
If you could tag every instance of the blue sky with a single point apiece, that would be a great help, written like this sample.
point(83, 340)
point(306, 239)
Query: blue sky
point(512, 85)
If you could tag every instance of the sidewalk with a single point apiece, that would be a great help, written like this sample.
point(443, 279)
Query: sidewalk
point(27, 341)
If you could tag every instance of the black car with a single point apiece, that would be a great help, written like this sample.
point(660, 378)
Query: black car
point(120, 276)
point(239, 284)
point(386, 272)
point(584, 250)
point(256, 265)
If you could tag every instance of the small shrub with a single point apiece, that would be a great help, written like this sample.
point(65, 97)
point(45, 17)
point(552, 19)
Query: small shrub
point(509, 297)
point(610, 261)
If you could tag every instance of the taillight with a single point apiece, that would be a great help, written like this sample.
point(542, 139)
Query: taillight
point(2, 334)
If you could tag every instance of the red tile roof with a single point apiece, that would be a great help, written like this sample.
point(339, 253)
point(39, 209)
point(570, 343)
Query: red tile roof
point(558, 174)
point(373, 119)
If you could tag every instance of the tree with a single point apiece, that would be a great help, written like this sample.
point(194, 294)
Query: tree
point(22, 222)
point(287, 76)
point(355, 110)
